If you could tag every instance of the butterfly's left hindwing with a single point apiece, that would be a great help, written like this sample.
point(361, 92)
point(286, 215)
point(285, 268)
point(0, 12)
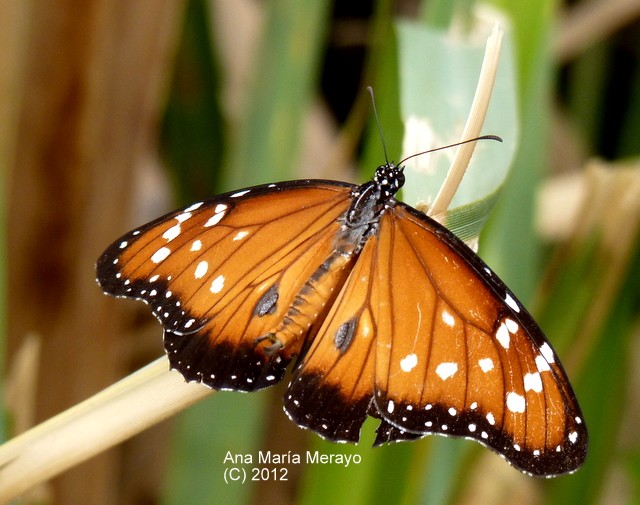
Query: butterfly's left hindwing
point(332, 387)
point(221, 274)
point(458, 355)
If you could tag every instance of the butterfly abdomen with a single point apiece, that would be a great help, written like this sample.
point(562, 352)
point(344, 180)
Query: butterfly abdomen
point(310, 303)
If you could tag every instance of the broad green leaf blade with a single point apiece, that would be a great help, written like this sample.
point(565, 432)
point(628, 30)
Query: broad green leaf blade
point(438, 77)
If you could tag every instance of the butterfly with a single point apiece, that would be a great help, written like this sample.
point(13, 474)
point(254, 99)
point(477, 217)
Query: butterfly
point(383, 310)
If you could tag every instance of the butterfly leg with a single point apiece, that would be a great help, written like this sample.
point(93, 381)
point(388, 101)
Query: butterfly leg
point(276, 343)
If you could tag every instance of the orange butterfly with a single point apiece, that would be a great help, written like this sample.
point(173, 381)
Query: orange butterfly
point(386, 311)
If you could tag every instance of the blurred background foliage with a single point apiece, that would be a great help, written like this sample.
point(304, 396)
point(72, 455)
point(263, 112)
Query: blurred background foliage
point(114, 111)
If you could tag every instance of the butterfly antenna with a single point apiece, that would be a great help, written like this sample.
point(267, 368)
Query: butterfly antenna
point(481, 137)
point(375, 114)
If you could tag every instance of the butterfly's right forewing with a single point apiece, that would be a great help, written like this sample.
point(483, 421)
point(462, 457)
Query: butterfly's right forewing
point(458, 355)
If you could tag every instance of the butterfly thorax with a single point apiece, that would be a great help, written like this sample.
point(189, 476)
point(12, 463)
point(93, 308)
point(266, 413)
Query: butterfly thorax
point(389, 178)
point(369, 203)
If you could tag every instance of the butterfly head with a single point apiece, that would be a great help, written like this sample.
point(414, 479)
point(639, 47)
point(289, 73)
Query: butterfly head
point(389, 178)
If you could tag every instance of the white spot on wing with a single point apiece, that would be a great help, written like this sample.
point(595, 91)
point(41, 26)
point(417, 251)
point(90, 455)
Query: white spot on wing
point(542, 364)
point(573, 437)
point(409, 362)
point(512, 326)
point(213, 220)
point(508, 299)
point(193, 207)
point(503, 335)
point(161, 254)
point(515, 402)
point(123, 244)
point(390, 406)
point(240, 193)
point(546, 351)
point(181, 218)
point(491, 419)
point(217, 284)
point(486, 364)
point(446, 370)
point(447, 318)
point(240, 235)
point(172, 233)
point(532, 382)
point(196, 246)
point(201, 269)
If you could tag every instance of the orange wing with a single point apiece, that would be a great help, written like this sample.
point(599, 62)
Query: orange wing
point(458, 355)
point(225, 278)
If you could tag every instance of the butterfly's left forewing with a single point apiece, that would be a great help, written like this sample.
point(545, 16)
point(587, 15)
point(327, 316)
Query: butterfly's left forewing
point(222, 277)
point(458, 355)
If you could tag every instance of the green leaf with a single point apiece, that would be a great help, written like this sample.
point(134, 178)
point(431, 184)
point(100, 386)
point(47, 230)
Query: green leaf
point(192, 131)
point(438, 77)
